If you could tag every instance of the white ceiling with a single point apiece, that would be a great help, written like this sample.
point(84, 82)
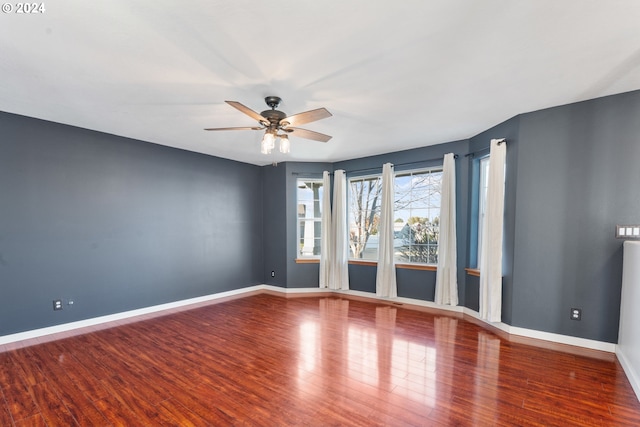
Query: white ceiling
point(395, 75)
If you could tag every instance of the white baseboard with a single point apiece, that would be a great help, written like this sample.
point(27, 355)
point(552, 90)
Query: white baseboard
point(513, 330)
point(293, 290)
point(547, 336)
point(563, 339)
point(629, 370)
point(67, 327)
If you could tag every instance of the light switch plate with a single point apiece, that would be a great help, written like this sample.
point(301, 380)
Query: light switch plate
point(628, 232)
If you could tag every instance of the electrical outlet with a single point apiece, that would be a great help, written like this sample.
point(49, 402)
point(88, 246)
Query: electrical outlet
point(57, 304)
point(273, 273)
point(576, 314)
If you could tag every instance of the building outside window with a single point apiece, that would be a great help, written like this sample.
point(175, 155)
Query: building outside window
point(309, 217)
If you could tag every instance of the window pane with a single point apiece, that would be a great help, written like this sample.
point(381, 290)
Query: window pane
point(364, 215)
point(310, 237)
point(482, 201)
point(417, 216)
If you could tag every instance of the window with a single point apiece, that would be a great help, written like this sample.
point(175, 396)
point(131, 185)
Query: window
point(309, 205)
point(483, 184)
point(364, 213)
point(416, 216)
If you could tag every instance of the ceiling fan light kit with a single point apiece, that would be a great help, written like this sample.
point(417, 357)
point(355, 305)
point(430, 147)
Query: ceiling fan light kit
point(285, 145)
point(273, 121)
point(268, 142)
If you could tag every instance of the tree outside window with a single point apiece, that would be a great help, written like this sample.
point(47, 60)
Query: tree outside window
point(364, 215)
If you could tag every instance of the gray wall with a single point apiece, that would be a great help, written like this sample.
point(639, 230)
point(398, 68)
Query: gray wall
point(117, 224)
point(578, 176)
point(571, 175)
point(275, 224)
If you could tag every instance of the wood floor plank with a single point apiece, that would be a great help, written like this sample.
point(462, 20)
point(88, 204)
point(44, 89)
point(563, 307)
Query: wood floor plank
point(52, 408)
point(19, 400)
point(76, 401)
point(180, 415)
point(83, 379)
point(10, 374)
point(265, 360)
point(32, 421)
point(131, 396)
point(5, 415)
point(30, 372)
point(204, 403)
point(118, 414)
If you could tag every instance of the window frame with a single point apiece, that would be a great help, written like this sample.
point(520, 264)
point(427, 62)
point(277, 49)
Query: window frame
point(317, 221)
point(418, 171)
point(405, 172)
point(377, 176)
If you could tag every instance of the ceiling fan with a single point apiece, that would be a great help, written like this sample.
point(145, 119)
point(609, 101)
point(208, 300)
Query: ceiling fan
point(277, 124)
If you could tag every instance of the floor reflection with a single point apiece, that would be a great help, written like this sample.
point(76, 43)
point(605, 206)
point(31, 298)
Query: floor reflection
point(362, 350)
point(309, 346)
point(487, 373)
point(373, 355)
point(394, 366)
point(322, 344)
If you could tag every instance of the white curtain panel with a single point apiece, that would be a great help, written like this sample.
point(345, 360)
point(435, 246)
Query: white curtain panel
point(340, 259)
point(447, 273)
point(326, 242)
point(491, 254)
point(386, 275)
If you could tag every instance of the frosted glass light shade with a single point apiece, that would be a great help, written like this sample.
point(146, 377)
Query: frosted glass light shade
point(285, 145)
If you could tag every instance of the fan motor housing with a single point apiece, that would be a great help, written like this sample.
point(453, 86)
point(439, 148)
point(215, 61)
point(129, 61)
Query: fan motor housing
point(274, 116)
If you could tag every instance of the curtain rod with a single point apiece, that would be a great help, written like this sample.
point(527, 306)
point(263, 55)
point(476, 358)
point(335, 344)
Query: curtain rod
point(311, 174)
point(308, 174)
point(455, 156)
point(473, 153)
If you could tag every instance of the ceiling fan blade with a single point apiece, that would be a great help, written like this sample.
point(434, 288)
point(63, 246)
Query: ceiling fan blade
point(248, 111)
point(306, 117)
point(309, 134)
point(240, 128)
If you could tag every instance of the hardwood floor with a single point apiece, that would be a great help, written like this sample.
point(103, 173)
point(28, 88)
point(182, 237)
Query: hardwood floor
point(270, 361)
